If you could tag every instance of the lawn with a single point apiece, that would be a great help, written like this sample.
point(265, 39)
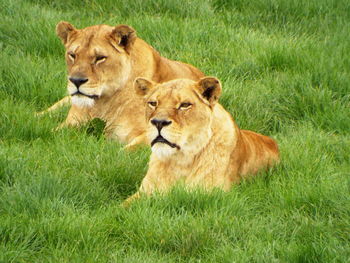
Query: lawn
point(285, 69)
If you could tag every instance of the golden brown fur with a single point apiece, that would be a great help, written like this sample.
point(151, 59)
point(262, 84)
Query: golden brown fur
point(104, 61)
point(200, 145)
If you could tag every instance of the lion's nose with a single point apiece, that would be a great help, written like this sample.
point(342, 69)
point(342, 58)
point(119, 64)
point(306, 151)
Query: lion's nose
point(160, 123)
point(78, 81)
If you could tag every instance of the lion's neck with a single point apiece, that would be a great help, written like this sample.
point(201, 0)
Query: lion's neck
point(148, 63)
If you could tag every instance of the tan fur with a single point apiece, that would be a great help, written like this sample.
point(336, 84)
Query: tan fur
point(111, 58)
point(208, 149)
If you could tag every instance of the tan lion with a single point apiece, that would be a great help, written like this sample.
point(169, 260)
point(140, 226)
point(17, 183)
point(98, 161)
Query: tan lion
point(195, 140)
point(103, 62)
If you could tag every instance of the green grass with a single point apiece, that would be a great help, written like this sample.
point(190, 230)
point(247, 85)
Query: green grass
point(285, 69)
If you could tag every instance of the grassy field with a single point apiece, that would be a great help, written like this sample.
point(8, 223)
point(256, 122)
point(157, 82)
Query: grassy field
point(285, 69)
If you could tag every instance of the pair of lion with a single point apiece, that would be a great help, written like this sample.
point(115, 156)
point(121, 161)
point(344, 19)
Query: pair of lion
point(145, 98)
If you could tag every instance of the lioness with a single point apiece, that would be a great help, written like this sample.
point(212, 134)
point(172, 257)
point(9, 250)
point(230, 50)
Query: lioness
point(195, 140)
point(102, 63)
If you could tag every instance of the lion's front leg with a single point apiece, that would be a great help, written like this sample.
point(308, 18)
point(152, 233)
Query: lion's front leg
point(76, 117)
point(151, 183)
point(59, 104)
point(127, 202)
point(141, 139)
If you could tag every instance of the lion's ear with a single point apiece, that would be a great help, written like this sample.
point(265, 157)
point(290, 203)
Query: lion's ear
point(124, 36)
point(63, 30)
point(210, 89)
point(143, 86)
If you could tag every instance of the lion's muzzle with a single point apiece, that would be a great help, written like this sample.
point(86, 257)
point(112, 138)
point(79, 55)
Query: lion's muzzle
point(161, 139)
point(78, 81)
point(160, 123)
point(83, 94)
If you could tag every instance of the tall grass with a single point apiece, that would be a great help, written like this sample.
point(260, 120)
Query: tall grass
point(284, 66)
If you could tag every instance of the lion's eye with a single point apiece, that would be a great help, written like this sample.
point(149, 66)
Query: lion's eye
point(100, 58)
point(185, 105)
point(152, 104)
point(71, 55)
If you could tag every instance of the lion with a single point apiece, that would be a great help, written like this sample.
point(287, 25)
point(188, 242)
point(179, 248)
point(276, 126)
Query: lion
point(102, 62)
point(195, 140)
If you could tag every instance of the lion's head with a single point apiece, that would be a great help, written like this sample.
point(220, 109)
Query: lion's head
point(179, 114)
point(97, 60)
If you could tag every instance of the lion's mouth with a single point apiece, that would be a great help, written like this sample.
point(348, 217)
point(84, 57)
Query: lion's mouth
point(161, 139)
point(83, 94)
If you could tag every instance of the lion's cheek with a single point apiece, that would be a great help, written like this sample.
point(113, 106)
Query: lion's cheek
point(195, 140)
point(152, 133)
point(105, 90)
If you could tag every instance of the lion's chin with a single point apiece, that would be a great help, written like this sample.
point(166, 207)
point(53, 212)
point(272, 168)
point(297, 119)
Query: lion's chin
point(83, 101)
point(163, 151)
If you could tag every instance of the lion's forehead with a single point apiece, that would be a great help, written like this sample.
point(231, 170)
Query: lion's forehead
point(177, 84)
point(175, 92)
point(95, 32)
point(93, 47)
point(173, 96)
point(92, 41)
point(91, 51)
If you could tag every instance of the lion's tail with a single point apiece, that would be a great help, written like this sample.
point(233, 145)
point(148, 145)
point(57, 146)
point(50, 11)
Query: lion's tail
point(59, 104)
